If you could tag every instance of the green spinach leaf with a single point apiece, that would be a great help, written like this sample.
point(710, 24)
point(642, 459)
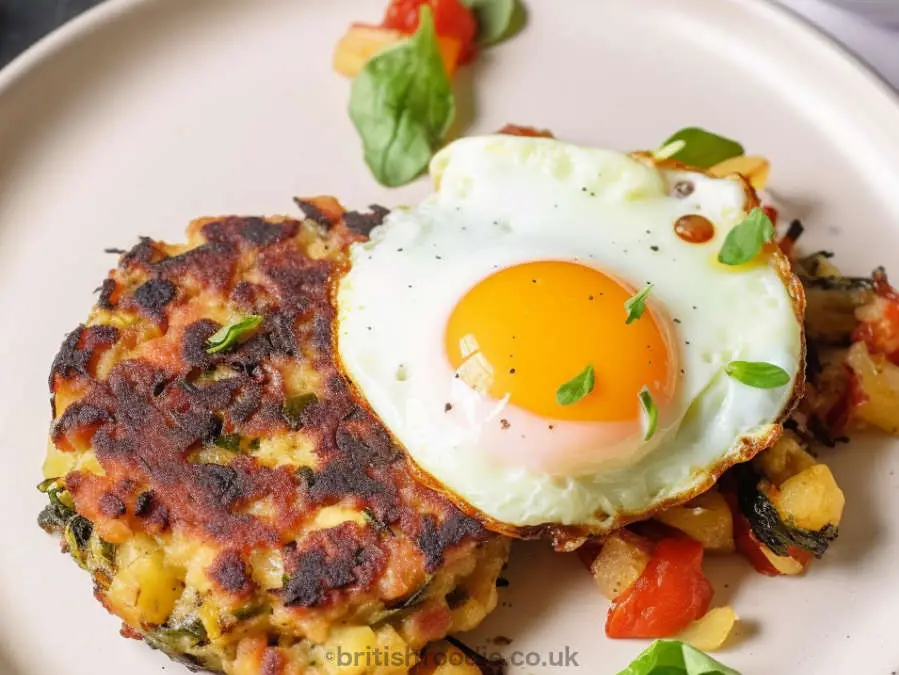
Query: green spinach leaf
point(402, 106)
point(671, 657)
point(702, 148)
point(495, 19)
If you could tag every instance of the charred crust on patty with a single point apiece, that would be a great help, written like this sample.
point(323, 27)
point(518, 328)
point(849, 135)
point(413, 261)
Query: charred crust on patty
point(79, 349)
point(434, 538)
point(107, 289)
point(314, 213)
point(364, 223)
point(230, 572)
point(145, 252)
point(330, 560)
point(143, 503)
point(152, 296)
point(111, 506)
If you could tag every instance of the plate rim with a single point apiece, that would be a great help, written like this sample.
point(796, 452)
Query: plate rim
point(66, 34)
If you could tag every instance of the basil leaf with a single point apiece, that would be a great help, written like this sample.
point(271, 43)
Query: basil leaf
point(669, 150)
point(744, 242)
point(226, 336)
point(702, 148)
point(671, 657)
point(402, 105)
point(577, 387)
point(650, 412)
point(758, 374)
point(494, 17)
point(636, 304)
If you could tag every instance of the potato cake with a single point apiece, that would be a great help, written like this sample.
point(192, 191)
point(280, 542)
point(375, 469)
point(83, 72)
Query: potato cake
point(234, 499)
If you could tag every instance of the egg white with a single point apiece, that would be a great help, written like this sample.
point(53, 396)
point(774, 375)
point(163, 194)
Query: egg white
point(501, 201)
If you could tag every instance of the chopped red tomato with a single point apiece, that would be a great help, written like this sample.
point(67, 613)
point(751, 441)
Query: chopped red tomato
point(670, 594)
point(879, 327)
point(452, 19)
point(533, 132)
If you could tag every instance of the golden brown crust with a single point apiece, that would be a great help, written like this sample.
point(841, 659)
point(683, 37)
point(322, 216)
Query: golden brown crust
point(254, 484)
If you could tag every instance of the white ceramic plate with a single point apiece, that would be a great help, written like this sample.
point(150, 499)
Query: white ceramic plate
point(146, 113)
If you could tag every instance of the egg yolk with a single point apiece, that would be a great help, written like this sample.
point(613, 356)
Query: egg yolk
point(527, 329)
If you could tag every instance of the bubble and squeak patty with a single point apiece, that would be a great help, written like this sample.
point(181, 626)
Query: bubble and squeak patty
point(235, 501)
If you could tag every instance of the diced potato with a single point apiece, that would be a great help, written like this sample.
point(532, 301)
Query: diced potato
point(878, 379)
point(755, 169)
point(395, 659)
point(210, 618)
point(145, 589)
point(707, 519)
point(811, 499)
point(783, 460)
point(360, 43)
point(620, 563)
point(709, 632)
point(267, 568)
point(332, 516)
point(350, 650)
point(57, 463)
point(286, 450)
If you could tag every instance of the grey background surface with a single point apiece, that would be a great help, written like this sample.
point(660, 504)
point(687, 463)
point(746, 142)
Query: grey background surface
point(23, 22)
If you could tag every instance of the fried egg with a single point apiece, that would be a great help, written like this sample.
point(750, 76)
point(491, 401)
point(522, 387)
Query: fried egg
point(462, 316)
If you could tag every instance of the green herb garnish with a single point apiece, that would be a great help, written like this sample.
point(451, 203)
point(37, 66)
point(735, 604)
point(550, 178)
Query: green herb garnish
point(577, 387)
point(226, 336)
point(496, 19)
point(758, 374)
point(745, 241)
point(636, 304)
point(650, 412)
point(402, 105)
point(671, 657)
point(702, 148)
